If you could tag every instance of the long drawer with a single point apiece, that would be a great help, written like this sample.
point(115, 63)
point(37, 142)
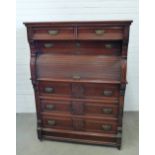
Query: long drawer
point(79, 124)
point(79, 47)
point(79, 90)
point(80, 136)
point(83, 107)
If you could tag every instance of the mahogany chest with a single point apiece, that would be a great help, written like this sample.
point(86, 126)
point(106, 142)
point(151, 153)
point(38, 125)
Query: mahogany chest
point(78, 71)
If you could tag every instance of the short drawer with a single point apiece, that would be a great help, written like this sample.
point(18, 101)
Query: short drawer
point(80, 124)
point(101, 126)
point(56, 122)
point(100, 33)
point(100, 109)
point(53, 33)
point(91, 90)
point(79, 107)
point(54, 89)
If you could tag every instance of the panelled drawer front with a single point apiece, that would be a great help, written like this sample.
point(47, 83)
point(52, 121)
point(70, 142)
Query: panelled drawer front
point(53, 33)
point(55, 106)
point(78, 47)
point(79, 90)
point(101, 126)
point(79, 107)
point(80, 124)
point(99, 33)
point(99, 109)
point(54, 89)
point(57, 122)
point(89, 90)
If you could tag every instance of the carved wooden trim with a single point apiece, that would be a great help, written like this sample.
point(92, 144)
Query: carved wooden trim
point(122, 89)
point(121, 104)
point(78, 124)
point(29, 33)
point(39, 133)
point(77, 107)
point(77, 90)
point(125, 41)
point(123, 70)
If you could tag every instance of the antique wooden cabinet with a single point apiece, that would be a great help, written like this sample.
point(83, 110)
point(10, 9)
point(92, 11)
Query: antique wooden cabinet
point(78, 71)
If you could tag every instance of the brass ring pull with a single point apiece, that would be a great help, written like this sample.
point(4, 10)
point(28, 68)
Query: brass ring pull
point(53, 32)
point(107, 110)
point(99, 32)
point(51, 122)
point(49, 89)
point(106, 127)
point(48, 45)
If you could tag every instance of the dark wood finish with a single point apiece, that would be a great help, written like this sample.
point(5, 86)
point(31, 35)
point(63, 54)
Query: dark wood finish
point(80, 47)
point(68, 122)
point(78, 71)
point(79, 107)
point(86, 67)
point(78, 90)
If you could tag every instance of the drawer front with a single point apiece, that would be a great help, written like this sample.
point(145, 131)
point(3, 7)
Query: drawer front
point(100, 33)
point(79, 90)
point(79, 124)
point(101, 109)
point(53, 33)
point(79, 107)
point(56, 122)
point(79, 137)
point(95, 91)
point(101, 126)
point(71, 47)
point(55, 106)
point(54, 89)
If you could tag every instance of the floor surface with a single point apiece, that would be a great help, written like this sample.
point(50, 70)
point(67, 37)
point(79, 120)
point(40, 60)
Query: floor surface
point(28, 144)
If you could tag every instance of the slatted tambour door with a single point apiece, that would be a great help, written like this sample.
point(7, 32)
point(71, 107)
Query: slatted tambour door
point(78, 67)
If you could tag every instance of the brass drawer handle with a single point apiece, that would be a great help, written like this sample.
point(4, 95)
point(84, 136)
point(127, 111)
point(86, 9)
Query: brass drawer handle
point(77, 45)
point(107, 110)
point(99, 32)
point(108, 46)
point(48, 45)
point(51, 122)
point(106, 127)
point(53, 32)
point(50, 106)
point(76, 77)
point(107, 93)
point(49, 89)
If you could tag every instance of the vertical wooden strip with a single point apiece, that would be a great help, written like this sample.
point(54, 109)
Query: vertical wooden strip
point(125, 41)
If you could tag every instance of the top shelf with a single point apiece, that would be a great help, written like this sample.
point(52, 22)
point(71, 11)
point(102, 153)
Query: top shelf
point(116, 22)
